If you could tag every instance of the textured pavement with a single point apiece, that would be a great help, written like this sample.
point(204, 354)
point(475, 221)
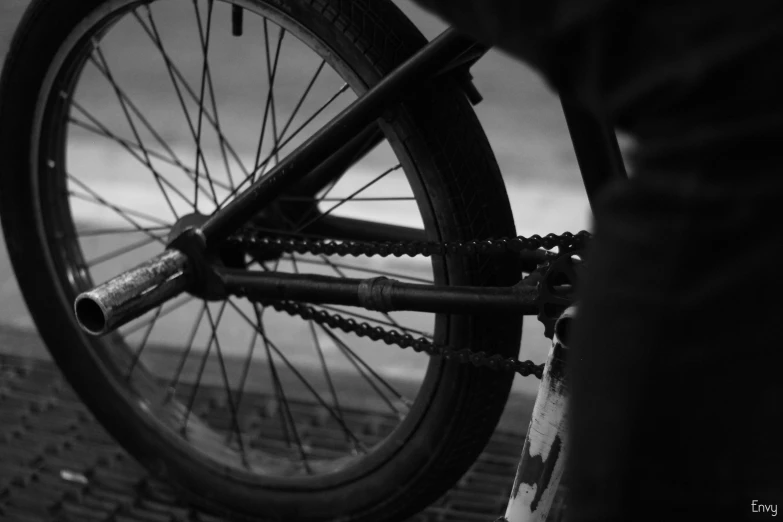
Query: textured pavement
point(58, 464)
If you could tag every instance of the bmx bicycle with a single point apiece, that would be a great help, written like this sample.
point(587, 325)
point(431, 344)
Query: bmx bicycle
point(260, 227)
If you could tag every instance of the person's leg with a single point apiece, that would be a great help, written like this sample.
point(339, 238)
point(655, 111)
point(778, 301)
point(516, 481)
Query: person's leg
point(676, 392)
point(677, 395)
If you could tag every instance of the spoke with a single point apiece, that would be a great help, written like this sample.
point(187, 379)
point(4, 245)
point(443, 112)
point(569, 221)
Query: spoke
point(304, 381)
point(269, 105)
point(143, 160)
point(342, 345)
point(275, 136)
point(143, 343)
point(286, 411)
point(124, 212)
point(129, 118)
point(110, 231)
point(378, 321)
point(392, 320)
point(174, 74)
point(165, 312)
point(339, 163)
point(177, 78)
point(174, 382)
point(330, 264)
point(152, 153)
point(359, 191)
point(353, 358)
point(204, 70)
point(120, 251)
point(229, 396)
point(283, 143)
point(302, 98)
point(380, 379)
point(299, 129)
point(172, 159)
point(221, 140)
point(324, 366)
point(243, 378)
point(202, 365)
point(288, 139)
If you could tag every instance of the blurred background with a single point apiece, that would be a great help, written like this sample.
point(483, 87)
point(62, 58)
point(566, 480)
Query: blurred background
point(520, 115)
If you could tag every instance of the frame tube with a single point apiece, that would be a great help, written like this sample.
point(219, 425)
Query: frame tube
point(340, 161)
point(361, 113)
point(546, 444)
point(595, 145)
point(380, 293)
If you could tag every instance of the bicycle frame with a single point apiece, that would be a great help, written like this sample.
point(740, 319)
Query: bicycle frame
point(186, 265)
point(544, 452)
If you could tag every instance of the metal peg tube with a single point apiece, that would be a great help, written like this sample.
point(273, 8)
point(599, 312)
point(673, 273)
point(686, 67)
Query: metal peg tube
point(132, 294)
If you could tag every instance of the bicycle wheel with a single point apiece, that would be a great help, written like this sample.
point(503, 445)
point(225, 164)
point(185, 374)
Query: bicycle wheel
point(119, 119)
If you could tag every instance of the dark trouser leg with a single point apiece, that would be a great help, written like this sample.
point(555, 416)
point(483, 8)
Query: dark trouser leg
point(676, 359)
point(677, 393)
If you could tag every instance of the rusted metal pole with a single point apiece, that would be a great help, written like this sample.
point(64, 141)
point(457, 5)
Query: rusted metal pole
point(543, 455)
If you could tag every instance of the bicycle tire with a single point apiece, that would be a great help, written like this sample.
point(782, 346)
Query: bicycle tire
point(464, 186)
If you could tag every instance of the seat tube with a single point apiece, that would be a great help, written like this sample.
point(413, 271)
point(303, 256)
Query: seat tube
point(543, 456)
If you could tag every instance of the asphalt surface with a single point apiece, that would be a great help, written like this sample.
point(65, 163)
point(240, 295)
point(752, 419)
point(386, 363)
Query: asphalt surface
point(57, 464)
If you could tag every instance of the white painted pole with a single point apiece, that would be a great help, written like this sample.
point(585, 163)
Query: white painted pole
point(543, 455)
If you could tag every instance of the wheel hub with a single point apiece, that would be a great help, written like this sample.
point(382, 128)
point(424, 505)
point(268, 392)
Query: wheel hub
point(230, 255)
point(193, 220)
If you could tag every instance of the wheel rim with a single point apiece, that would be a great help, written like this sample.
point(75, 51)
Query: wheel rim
point(120, 356)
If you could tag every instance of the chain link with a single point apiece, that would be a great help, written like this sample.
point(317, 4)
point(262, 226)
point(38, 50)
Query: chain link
point(566, 242)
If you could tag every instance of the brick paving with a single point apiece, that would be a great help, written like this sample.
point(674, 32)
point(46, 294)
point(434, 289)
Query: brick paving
point(58, 464)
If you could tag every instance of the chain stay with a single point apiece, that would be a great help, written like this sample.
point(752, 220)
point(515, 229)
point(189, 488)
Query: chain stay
point(566, 242)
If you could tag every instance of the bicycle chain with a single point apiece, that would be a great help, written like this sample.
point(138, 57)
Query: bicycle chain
point(565, 243)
